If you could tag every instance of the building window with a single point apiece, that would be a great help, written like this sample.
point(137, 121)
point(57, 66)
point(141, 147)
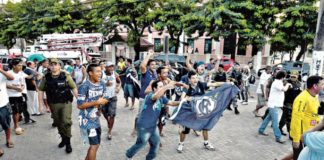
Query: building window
point(191, 43)
point(208, 46)
point(157, 45)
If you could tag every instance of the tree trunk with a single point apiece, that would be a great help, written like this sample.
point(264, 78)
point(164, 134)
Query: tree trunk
point(177, 43)
point(137, 49)
point(303, 49)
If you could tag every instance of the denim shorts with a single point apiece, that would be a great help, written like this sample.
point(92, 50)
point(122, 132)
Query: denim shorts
point(110, 108)
point(94, 136)
point(5, 118)
point(129, 90)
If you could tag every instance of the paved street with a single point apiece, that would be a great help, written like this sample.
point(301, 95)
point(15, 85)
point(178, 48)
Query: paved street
point(234, 137)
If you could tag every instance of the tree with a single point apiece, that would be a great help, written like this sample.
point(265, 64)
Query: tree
point(297, 27)
point(136, 15)
point(8, 34)
point(214, 18)
point(170, 17)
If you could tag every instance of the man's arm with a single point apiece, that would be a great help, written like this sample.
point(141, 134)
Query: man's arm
point(6, 74)
point(215, 84)
point(84, 73)
point(97, 103)
point(173, 103)
point(160, 92)
point(118, 81)
point(145, 61)
point(296, 121)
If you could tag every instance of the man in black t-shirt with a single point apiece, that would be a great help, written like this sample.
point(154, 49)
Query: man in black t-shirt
point(32, 97)
point(196, 88)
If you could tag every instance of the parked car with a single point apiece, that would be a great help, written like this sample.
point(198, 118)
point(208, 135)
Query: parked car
point(288, 66)
point(228, 63)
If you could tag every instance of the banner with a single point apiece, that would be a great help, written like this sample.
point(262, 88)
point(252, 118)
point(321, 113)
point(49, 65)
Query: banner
point(203, 112)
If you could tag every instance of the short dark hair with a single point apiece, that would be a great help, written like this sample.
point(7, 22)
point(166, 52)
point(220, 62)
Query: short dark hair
point(221, 66)
point(191, 73)
point(210, 59)
point(130, 61)
point(43, 61)
point(313, 80)
point(159, 70)
point(29, 63)
point(280, 75)
point(91, 67)
point(16, 61)
point(150, 61)
point(155, 84)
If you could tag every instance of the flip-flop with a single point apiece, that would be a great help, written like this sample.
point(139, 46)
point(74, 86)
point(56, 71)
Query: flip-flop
point(10, 145)
point(109, 137)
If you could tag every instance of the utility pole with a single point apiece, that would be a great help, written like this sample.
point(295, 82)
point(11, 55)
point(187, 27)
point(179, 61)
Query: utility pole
point(318, 52)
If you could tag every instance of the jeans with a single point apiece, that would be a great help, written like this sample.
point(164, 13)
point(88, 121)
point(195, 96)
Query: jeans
point(273, 115)
point(143, 136)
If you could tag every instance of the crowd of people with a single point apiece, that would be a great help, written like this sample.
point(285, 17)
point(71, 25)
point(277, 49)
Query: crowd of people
point(31, 89)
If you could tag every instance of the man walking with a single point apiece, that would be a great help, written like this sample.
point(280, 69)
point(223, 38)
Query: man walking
point(91, 95)
point(4, 108)
point(113, 85)
point(276, 100)
point(304, 112)
point(146, 124)
point(58, 86)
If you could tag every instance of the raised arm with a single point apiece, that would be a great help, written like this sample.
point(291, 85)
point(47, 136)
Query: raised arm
point(160, 92)
point(145, 61)
point(6, 74)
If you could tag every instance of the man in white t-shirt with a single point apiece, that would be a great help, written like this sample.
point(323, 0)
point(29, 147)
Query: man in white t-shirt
point(261, 91)
point(4, 107)
point(16, 88)
point(276, 100)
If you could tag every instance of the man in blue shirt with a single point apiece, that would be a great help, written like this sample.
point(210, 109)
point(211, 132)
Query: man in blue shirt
point(148, 70)
point(91, 95)
point(146, 124)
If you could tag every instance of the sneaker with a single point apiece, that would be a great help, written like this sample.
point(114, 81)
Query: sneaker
point(263, 134)
point(209, 146)
point(180, 148)
point(281, 141)
point(245, 103)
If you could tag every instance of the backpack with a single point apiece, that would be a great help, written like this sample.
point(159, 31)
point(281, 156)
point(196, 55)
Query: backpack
point(252, 79)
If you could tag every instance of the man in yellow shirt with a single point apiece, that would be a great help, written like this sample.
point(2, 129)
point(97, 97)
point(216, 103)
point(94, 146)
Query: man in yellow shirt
point(304, 112)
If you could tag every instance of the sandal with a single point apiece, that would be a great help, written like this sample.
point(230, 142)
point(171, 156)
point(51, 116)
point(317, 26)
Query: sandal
point(10, 145)
point(109, 137)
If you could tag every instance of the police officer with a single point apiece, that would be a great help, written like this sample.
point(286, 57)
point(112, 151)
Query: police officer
point(57, 85)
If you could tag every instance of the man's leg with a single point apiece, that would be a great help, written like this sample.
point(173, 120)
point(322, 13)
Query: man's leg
point(141, 101)
point(66, 120)
point(94, 143)
point(182, 139)
point(5, 120)
point(283, 120)
point(154, 145)
point(207, 144)
point(143, 136)
point(92, 152)
point(274, 116)
point(112, 105)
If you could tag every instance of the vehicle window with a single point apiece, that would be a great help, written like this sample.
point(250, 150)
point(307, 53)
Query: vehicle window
point(225, 62)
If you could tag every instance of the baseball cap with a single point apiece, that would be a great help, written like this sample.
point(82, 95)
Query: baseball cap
point(55, 60)
point(294, 72)
point(198, 64)
point(108, 64)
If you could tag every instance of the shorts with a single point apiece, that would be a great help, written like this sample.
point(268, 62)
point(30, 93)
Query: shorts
point(109, 110)
point(5, 117)
point(129, 90)
point(261, 100)
point(94, 136)
point(163, 115)
point(16, 104)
